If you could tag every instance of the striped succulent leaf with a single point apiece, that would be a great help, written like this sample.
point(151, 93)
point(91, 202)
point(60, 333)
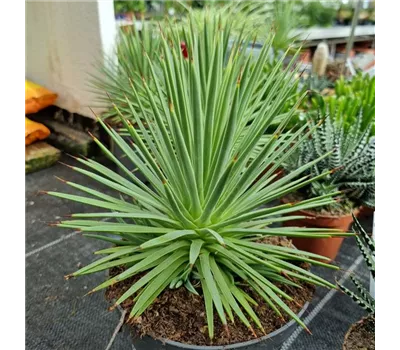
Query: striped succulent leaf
point(360, 299)
point(367, 248)
point(352, 155)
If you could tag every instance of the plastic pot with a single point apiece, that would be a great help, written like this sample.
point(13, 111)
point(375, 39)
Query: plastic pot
point(328, 247)
point(272, 341)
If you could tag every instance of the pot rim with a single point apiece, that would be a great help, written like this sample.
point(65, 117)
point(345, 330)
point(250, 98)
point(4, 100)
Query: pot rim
point(351, 328)
point(229, 346)
point(318, 216)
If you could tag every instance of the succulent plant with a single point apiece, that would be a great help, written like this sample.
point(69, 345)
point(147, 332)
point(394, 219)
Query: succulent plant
point(353, 99)
point(199, 220)
point(352, 155)
point(320, 59)
point(367, 248)
point(360, 87)
point(314, 84)
point(114, 76)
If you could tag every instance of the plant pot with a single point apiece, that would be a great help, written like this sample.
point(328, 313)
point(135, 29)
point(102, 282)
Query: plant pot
point(328, 247)
point(272, 341)
point(366, 321)
point(365, 212)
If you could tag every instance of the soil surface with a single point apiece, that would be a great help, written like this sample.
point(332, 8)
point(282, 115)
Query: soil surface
point(180, 315)
point(341, 210)
point(361, 335)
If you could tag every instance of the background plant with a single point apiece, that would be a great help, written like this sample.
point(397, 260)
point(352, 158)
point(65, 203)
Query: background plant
point(352, 154)
point(199, 220)
point(361, 86)
point(114, 77)
point(320, 13)
point(353, 99)
point(245, 17)
point(129, 6)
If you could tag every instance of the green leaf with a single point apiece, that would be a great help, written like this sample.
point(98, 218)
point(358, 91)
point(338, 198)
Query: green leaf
point(171, 262)
point(210, 284)
point(170, 236)
point(195, 251)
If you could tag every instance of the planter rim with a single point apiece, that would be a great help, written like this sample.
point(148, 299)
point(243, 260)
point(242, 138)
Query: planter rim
point(351, 328)
point(229, 346)
point(324, 216)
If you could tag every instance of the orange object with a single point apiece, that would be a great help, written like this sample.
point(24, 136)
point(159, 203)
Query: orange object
point(305, 57)
point(328, 247)
point(34, 131)
point(370, 65)
point(37, 97)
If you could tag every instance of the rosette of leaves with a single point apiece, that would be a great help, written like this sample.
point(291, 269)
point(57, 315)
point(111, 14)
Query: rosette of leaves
point(113, 78)
point(248, 18)
point(352, 155)
point(199, 222)
point(366, 246)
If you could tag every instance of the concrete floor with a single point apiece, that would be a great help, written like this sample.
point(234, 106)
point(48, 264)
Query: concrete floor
point(58, 317)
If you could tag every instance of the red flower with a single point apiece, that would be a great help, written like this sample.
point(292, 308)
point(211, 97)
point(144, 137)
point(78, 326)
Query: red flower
point(184, 49)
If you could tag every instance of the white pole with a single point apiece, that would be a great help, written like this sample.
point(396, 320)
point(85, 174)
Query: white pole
point(354, 22)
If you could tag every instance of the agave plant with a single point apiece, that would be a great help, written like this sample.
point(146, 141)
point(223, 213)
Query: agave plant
point(352, 154)
point(202, 215)
point(113, 76)
point(367, 248)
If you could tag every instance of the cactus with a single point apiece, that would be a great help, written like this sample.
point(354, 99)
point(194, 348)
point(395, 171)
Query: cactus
point(320, 59)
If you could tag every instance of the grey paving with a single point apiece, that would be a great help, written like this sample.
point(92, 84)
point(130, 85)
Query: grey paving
point(58, 317)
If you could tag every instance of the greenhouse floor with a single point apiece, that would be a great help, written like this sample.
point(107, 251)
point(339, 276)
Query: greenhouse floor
point(59, 317)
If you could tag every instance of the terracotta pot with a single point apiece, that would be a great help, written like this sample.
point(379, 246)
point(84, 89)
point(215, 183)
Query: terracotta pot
point(328, 247)
point(365, 212)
